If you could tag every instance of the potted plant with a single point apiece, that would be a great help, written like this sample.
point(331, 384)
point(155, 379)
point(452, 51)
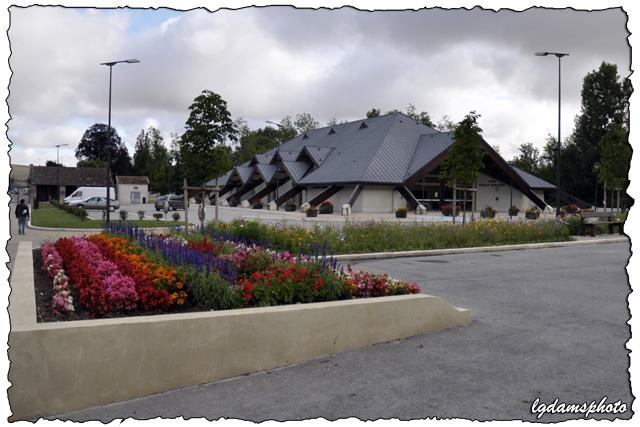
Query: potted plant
point(401, 213)
point(312, 211)
point(447, 209)
point(532, 213)
point(258, 205)
point(326, 207)
point(513, 211)
point(290, 206)
point(488, 212)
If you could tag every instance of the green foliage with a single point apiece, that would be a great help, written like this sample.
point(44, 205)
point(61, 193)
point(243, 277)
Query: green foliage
point(80, 212)
point(202, 148)
point(158, 216)
point(529, 159)
point(374, 112)
point(140, 215)
point(573, 225)
point(123, 214)
point(142, 160)
point(400, 236)
point(176, 216)
point(255, 261)
point(615, 158)
point(212, 291)
point(96, 142)
point(464, 157)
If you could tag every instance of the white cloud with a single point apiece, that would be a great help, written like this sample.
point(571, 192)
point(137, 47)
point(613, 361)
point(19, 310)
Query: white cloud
point(276, 61)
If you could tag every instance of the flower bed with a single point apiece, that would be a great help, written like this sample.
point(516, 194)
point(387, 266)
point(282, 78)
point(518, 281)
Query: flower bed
point(62, 301)
point(119, 274)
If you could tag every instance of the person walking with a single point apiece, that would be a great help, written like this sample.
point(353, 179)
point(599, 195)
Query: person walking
point(22, 213)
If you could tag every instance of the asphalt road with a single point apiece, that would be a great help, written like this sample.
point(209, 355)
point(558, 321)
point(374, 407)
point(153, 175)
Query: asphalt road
point(549, 323)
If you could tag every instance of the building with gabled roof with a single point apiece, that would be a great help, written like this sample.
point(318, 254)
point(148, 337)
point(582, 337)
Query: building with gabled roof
point(375, 165)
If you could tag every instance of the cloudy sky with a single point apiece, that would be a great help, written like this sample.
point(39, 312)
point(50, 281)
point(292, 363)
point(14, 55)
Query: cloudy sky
point(276, 61)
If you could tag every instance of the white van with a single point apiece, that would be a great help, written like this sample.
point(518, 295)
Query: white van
point(82, 193)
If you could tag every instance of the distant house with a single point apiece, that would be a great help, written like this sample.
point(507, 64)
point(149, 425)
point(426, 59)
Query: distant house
point(132, 189)
point(375, 165)
point(51, 182)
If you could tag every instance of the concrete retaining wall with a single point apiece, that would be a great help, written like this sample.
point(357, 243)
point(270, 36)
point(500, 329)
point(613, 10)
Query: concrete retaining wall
point(66, 366)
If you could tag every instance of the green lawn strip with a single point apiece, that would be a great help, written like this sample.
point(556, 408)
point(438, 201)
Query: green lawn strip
point(50, 216)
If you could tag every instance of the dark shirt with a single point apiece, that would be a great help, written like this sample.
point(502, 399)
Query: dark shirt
point(22, 210)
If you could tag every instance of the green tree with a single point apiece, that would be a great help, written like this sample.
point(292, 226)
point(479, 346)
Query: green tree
point(374, 112)
point(615, 160)
point(420, 117)
point(97, 141)
point(604, 105)
point(445, 124)
point(528, 160)
point(464, 157)
point(255, 142)
point(142, 161)
point(160, 169)
point(203, 150)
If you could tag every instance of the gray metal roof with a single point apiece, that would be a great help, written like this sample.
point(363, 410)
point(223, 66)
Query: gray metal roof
point(533, 181)
point(266, 171)
point(428, 148)
point(244, 172)
point(296, 170)
point(317, 154)
point(264, 158)
point(288, 156)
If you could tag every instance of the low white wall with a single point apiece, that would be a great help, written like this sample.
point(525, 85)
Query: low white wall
point(64, 366)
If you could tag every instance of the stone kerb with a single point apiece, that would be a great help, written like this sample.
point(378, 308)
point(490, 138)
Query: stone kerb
point(65, 366)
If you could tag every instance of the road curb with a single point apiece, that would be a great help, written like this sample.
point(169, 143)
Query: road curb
point(453, 251)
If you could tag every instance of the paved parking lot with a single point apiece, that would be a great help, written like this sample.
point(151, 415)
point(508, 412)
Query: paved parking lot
point(549, 323)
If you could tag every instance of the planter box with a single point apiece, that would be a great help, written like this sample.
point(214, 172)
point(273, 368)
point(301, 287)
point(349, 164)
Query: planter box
point(401, 214)
point(312, 213)
point(290, 208)
point(66, 366)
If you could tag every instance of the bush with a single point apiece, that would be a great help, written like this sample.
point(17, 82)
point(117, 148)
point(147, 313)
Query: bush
point(513, 211)
point(158, 216)
point(140, 215)
point(488, 212)
point(573, 225)
point(326, 207)
point(82, 213)
point(532, 213)
point(290, 206)
point(123, 214)
point(212, 291)
point(176, 216)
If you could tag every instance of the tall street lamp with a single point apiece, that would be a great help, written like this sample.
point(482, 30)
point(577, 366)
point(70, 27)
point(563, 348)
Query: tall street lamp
point(58, 170)
point(559, 56)
point(110, 65)
point(278, 154)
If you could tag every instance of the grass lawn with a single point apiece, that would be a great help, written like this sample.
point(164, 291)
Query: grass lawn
point(50, 216)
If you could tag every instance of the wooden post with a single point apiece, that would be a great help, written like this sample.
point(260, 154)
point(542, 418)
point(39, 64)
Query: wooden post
point(217, 203)
point(186, 204)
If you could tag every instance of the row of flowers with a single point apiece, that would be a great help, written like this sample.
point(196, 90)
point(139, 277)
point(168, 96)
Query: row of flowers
point(62, 301)
point(118, 273)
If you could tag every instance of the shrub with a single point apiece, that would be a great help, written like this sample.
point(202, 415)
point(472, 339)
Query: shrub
point(573, 225)
point(447, 209)
point(176, 216)
point(212, 291)
point(532, 213)
point(290, 206)
point(123, 214)
point(158, 216)
point(140, 215)
point(326, 207)
point(83, 214)
point(401, 213)
point(488, 212)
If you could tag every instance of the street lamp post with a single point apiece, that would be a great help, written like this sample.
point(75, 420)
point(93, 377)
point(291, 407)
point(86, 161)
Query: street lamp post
point(278, 171)
point(559, 56)
point(58, 170)
point(110, 65)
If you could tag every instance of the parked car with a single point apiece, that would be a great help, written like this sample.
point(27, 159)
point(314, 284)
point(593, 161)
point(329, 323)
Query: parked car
point(175, 201)
point(95, 202)
point(159, 203)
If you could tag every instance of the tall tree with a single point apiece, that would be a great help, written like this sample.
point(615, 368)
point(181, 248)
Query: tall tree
point(464, 157)
point(604, 105)
point(528, 160)
point(142, 161)
point(615, 159)
point(257, 141)
point(374, 112)
point(203, 149)
point(420, 117)
point(445, 124)
point(97, 141)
